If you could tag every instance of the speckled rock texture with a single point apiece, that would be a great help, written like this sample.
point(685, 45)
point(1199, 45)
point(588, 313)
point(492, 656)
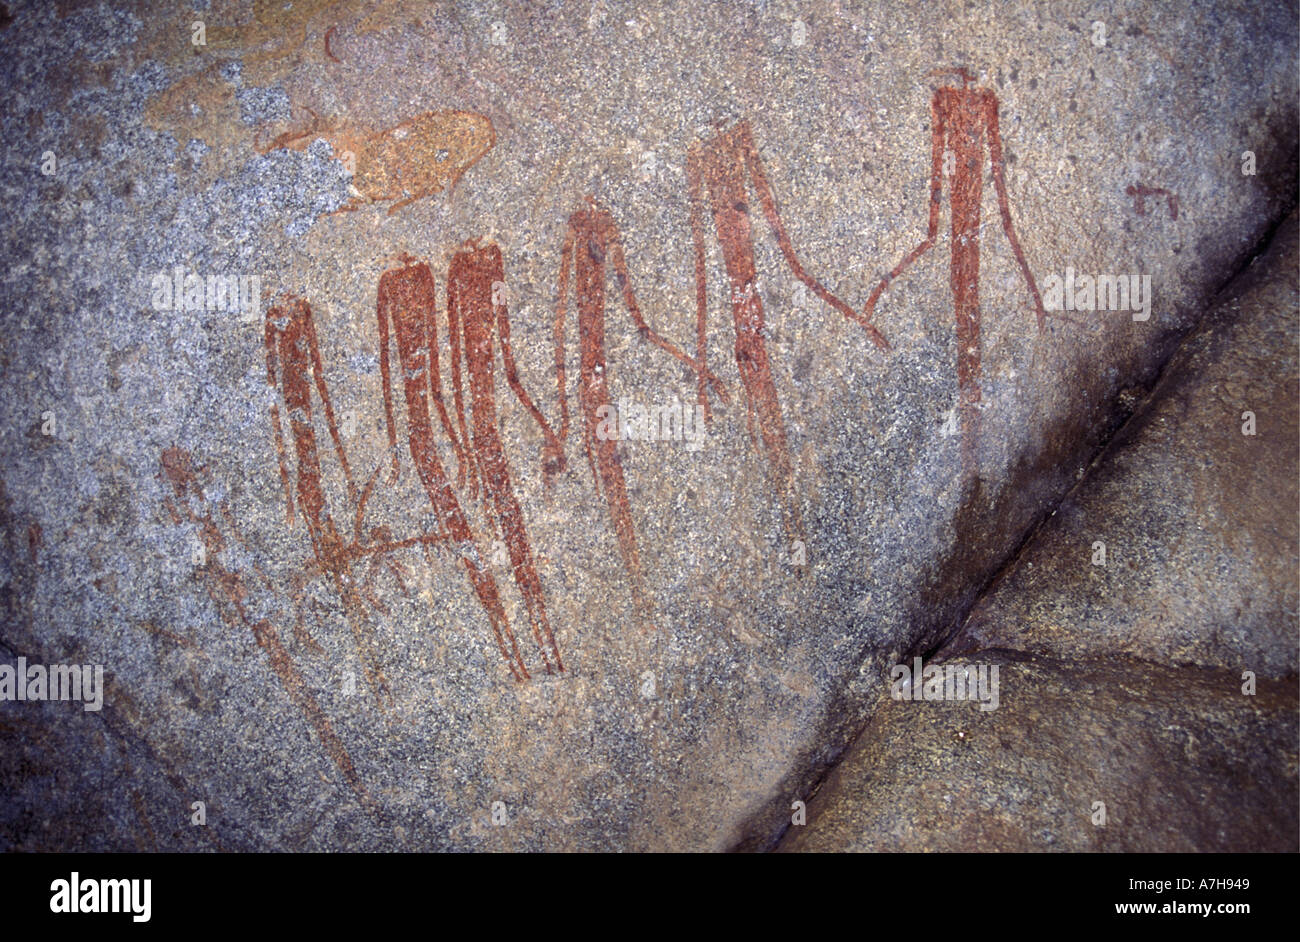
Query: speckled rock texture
point(1102, 754)
point(1147, 698)
point(1181, 548)
point(326, 546)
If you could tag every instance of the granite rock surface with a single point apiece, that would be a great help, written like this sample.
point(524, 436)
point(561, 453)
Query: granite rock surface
point(313, 645)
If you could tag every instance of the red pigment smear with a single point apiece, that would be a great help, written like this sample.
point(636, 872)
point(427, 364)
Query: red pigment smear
point(474, 315)
point(328, 52)
point(33, 541)
point(1140, 193)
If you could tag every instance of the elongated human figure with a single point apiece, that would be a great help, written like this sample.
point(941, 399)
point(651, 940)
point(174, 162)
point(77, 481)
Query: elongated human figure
point(725, 166)
point(476, 319)
point(407, 303)
point(293, 366)
point(962, 121)
point(229, 592)
point(591, 240)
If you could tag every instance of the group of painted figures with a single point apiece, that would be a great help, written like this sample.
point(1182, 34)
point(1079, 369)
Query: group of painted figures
point(720, 172)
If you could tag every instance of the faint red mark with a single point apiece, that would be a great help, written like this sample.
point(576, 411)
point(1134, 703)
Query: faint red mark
point(476, 310)
point(171, 636)
point(33, 541)
point(227, 589)
point(961, 121)
point(407, 302)
point(328, 51)
point(1140, 193)
point(723, 166)
point(293, 365)
point(593, 237)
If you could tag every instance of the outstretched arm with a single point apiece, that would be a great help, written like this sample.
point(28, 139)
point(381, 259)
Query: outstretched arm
point(512, 378)
point(759, 178)
point(695, 185)
point(938, 131)
point(272, 369)
point(990, 105)
point(318, 372)
point(386, 375)
point(614, 243)
point(458, 398)
point(561, 309)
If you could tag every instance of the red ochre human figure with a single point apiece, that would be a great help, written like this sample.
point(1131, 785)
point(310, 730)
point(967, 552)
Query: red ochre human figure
point(592, 238)
point(293, 365)
point(476, 319)
point(724, 166)
point(407, 302)
point(229, 592)
point(962, 122)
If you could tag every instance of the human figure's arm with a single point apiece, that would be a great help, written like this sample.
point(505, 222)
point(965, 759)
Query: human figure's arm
point(614, 245)
point(990, 107)
point(554, 448)
point(758, 176)
point(695, 186)
point(272, 369)
point(561, 309)
point(458, 399)
point(430, 331)
point(385, 374)
point(938, 131)
point(318, 373)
